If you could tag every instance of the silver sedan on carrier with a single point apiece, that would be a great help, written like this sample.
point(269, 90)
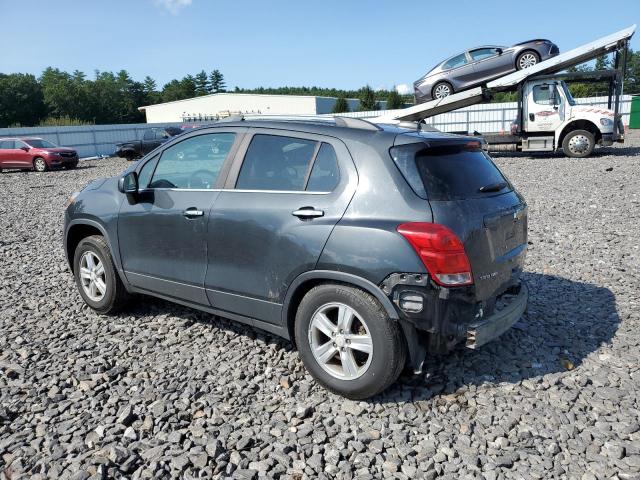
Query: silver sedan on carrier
point(480, 65)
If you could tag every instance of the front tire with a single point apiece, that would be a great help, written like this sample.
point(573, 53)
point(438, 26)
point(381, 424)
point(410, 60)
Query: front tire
point(347, 341)
point(578, 144)
point(527, 59)
point(96, 276)
point(39, 164)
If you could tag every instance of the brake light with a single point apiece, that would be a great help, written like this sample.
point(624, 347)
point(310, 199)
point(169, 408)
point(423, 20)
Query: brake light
point(441, 251)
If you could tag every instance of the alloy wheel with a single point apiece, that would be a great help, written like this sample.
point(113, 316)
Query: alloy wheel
point(340, 341)
point(442, 90)
point(93, 276)
point(40, 165)
point(527, 60)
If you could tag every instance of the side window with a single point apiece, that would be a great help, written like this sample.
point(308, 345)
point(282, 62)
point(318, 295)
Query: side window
point(6, 144)
point(276, 163)
point(482, 53)
point(324, 174)
point(146, 171)
point(194, 163)
point(456, 61)
point(148, 134)
point(546, 95)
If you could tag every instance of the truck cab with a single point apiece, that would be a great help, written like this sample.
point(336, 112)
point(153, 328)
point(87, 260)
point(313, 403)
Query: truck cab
point(551, 120)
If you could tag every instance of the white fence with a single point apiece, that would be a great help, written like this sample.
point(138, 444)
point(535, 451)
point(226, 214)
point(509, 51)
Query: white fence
point(88, 140)
point(490, 117)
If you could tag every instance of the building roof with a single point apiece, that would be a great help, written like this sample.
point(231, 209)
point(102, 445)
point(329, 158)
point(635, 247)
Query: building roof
point(222, 94)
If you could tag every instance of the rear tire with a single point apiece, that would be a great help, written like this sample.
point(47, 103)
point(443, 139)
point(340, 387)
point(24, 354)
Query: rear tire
point(441, 90)
point(527, 59)
point(93, 264)
point(39, 164)
point(364, 355)
point(578, 144)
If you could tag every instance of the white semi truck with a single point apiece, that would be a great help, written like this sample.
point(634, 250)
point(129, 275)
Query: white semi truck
point(548, 118)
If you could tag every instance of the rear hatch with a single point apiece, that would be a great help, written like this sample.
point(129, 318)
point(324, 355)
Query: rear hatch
point(468, 194)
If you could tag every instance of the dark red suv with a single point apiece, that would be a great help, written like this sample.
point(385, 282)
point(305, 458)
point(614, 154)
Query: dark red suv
point(35, 153)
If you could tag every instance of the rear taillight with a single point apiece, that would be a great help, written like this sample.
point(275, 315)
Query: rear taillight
point(441, 251)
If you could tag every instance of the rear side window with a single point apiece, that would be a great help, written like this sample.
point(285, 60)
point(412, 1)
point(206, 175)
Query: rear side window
point(276, 163)
point(324, 174)
point(6, 144)
point(456, 61)
point(447, 172)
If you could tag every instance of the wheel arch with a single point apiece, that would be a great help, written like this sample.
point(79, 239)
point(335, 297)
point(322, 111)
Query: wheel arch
point(581, 124)
point(78, 230)
point(306, 281)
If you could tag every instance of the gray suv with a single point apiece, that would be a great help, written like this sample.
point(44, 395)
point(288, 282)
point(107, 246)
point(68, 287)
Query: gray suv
point(368, 246)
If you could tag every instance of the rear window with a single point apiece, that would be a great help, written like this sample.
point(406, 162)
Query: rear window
point(448, 172)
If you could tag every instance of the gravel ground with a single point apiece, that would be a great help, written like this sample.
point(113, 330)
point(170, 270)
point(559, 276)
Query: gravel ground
point(165, 391)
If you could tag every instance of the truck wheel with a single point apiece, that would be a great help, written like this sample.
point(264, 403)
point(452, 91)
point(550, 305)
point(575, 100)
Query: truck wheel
point(39, 165)
point(527, 59)
point(441, 90)
point(96, 276)
point(578, 144)
point(347, 341)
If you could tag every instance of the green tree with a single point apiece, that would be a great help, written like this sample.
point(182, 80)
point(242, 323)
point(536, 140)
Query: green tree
point(632, 77)
point(367, 99)
point(216, 82)
point(201, 81)
point(341, 105)
point(21, 100)
point(394, 100)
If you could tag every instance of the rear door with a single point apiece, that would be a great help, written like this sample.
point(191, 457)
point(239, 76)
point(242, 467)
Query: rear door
point(468, 194)
point(284, 195)
point(459, 71)
point(6, 153)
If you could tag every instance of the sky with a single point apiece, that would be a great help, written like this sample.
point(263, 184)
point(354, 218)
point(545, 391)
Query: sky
point(343, 44)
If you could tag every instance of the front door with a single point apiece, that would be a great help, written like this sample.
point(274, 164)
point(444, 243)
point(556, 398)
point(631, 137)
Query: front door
point(545, 108)
point(489, 63)
point(162, 230)
point(283, 197)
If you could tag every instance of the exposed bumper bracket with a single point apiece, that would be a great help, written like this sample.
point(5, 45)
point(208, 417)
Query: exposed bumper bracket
point(495, 325)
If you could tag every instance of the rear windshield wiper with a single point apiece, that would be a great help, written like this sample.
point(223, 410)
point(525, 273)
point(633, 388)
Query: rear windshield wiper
point(493, 187)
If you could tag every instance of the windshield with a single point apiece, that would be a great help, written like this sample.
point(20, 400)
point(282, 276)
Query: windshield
point(38, 143)
point(567, 94)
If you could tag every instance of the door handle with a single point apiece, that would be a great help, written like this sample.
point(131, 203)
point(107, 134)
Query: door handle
point(192, 213)
point(307, 212)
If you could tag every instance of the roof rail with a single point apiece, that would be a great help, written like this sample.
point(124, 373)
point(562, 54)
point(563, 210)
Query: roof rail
point(232, 118)
point(359, 123)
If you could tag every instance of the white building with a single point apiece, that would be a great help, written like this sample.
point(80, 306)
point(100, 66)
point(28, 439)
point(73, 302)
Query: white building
point(219, 105)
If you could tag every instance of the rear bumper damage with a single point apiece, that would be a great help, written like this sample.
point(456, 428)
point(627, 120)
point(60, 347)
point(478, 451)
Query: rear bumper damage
point(435, 319)
point(503, 318)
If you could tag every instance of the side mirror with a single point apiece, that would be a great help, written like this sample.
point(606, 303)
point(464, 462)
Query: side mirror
point(128, 183)
point(499, 51)
point(25, 148)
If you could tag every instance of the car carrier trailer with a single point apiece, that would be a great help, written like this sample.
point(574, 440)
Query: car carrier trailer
point(547, 116)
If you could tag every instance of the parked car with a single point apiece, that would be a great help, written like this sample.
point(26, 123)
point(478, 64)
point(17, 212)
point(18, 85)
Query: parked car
point(480, 65)
point(151, 139)
point(35, 154)
point(365, 245)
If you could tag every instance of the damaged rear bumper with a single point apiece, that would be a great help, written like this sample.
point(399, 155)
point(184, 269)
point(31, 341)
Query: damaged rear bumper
point(482, 332)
